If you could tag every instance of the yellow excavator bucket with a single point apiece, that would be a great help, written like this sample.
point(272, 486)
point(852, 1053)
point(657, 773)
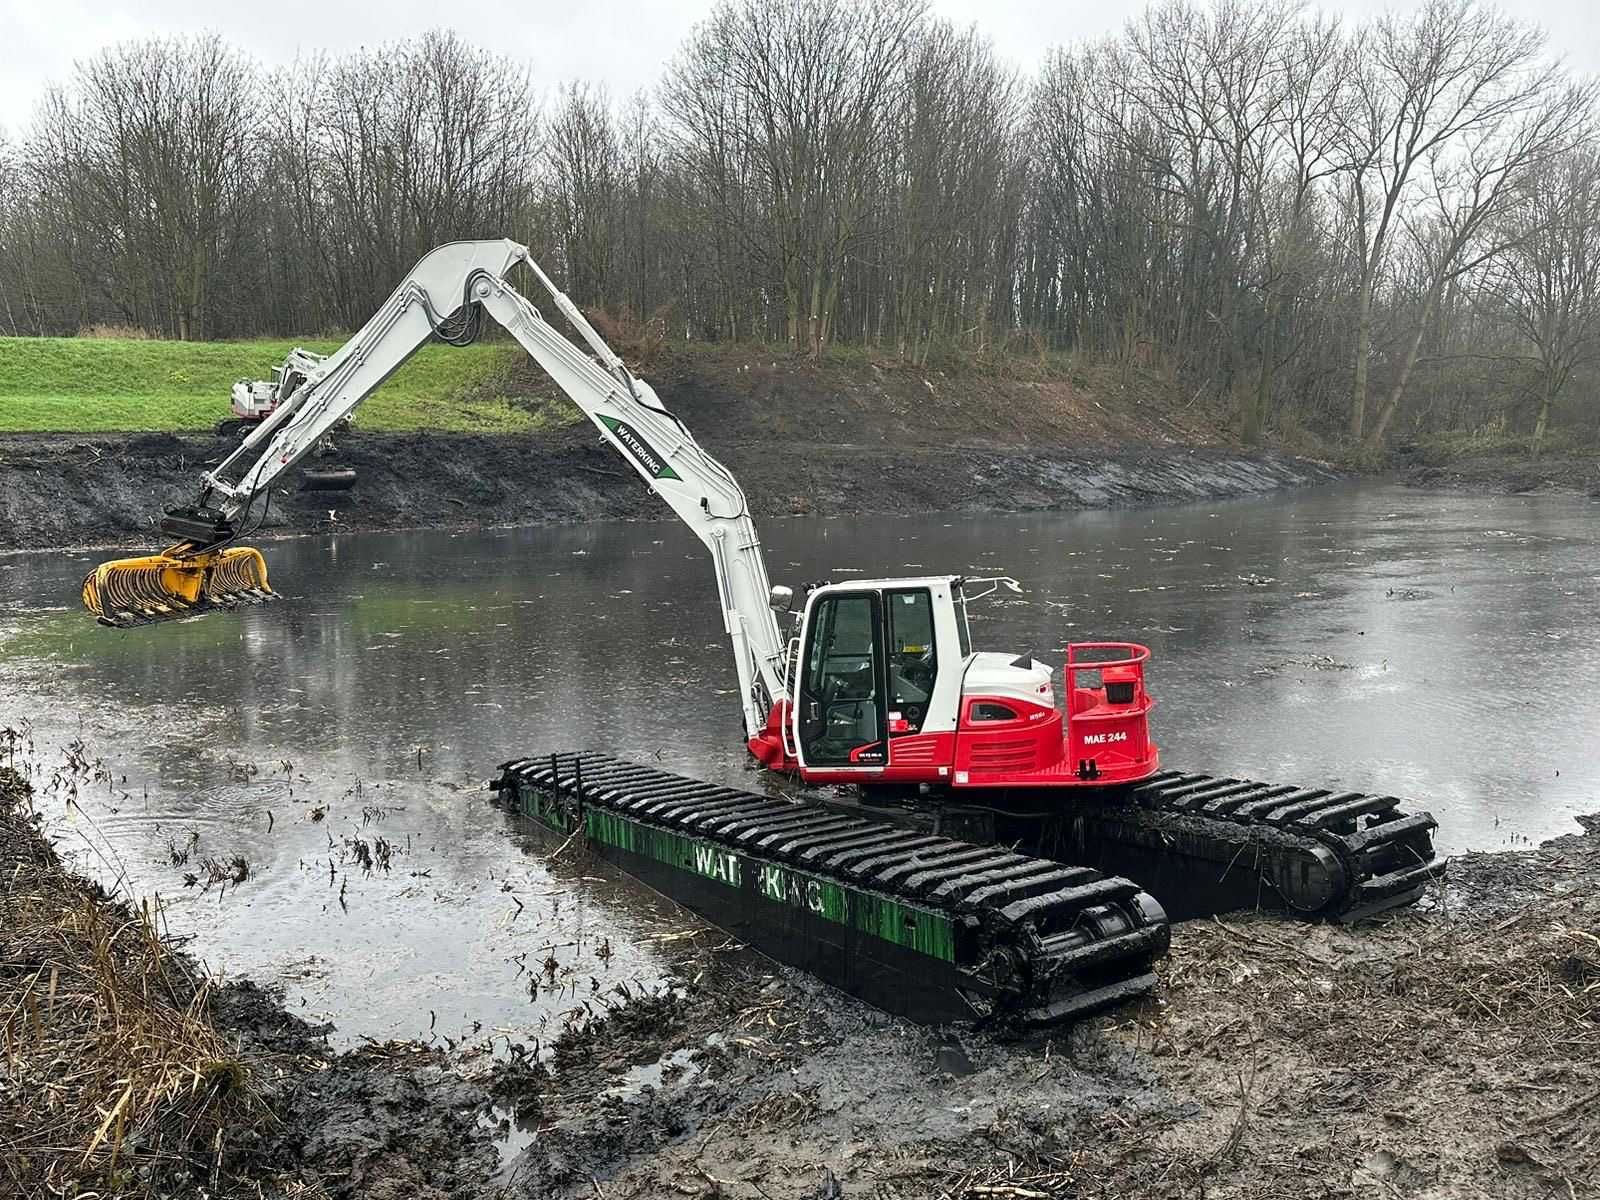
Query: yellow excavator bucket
point(165, 587)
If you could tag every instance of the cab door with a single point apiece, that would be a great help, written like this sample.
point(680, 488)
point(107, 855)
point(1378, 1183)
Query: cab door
point(840, 720)
point(912, 658)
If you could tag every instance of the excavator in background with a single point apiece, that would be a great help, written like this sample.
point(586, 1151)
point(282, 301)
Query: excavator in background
point(994, 854)
point(252, 401)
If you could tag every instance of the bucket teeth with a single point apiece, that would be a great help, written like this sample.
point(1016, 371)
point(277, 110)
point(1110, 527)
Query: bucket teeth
point(238, 570)
point(164, 587)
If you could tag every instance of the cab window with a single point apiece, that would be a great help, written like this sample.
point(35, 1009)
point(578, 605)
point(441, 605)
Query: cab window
point(913, 660)
point(989, 710)
point(842, 700)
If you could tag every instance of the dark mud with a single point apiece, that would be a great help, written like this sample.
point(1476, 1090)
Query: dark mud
point(387, 1120)
point(83, 490)
point(1501, 473)
point(1450, 1050)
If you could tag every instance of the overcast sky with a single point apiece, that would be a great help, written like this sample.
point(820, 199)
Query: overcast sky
point(624, 45)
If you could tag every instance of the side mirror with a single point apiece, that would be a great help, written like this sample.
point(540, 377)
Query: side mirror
point(780, 598)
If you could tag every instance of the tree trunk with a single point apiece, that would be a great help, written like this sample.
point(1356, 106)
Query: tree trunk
point(1390, 406)
point(1255, 413)
point(814, 328)
point(1358, 392)
point(1546, 401)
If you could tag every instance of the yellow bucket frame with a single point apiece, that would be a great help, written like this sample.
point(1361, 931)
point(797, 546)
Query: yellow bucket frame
point(166, 586)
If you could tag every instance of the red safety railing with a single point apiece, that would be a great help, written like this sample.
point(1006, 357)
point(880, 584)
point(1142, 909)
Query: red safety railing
point(1132, 653)
point(1121, 663)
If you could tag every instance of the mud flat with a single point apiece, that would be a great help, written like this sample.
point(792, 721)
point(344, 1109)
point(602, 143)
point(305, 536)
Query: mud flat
point(92, 490)
point(125, 1071)
point(1450, 1050)
point(1515, 474)
point(1445, 1051)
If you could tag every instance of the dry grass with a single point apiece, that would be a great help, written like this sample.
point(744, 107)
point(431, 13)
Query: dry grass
point(112, 1076)
point(1529, 982)
point(1010, 1180)
point(639, 340)
point(116, 333)
point(1447, 1054)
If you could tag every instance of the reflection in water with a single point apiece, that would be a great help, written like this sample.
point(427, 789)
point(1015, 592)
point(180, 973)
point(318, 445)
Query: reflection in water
point(1440, 648)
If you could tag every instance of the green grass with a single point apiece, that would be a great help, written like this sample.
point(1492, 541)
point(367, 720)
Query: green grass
point(93, 385)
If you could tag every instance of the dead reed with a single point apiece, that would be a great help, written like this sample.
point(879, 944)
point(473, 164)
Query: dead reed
point(1478, 1028)
point(112, 1076)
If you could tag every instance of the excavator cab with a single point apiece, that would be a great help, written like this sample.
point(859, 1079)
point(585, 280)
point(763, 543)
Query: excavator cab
point(887, 690)
point(842, 707)
point(878, 662)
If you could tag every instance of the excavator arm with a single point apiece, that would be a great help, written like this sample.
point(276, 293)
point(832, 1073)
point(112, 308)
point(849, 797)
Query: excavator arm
point(445, 296)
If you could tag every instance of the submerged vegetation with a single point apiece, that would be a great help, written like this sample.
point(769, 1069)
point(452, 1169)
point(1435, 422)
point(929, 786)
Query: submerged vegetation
point(113, 1070)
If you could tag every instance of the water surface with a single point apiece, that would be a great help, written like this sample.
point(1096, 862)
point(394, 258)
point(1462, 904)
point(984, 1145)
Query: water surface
point(1437, 647)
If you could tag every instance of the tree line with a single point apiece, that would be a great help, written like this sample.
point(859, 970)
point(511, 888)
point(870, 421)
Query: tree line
point(1379, 229)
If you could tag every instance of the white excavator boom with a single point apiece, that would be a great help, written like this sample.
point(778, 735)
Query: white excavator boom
point(443, 296)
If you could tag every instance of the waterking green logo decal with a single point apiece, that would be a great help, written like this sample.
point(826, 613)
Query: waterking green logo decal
point(639, 448)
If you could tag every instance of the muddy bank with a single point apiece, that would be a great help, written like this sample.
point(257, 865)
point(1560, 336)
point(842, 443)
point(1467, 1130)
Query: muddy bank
point(1514, 474)
point(128, 1072)
point(63, 489)
point(1451, 1050)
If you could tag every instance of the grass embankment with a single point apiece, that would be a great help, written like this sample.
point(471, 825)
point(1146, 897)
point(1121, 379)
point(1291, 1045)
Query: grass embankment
point(106, 385)
point(728, 392)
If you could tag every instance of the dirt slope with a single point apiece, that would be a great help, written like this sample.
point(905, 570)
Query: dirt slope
point(836, 437)
point(61, 489)
point(733, 394)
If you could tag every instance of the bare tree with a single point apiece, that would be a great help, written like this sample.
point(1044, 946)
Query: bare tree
point(1471, 189)
point(415, 144)
point(1454, 70)
point(585, 164)
point(151, 157)
point(11, 223)
point(815, 82)
point(1302, 154)
point(952, 152)
point(1547, 280)
point(1353, 231)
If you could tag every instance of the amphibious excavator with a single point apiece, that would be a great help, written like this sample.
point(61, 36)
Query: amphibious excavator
point(1001, 851)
